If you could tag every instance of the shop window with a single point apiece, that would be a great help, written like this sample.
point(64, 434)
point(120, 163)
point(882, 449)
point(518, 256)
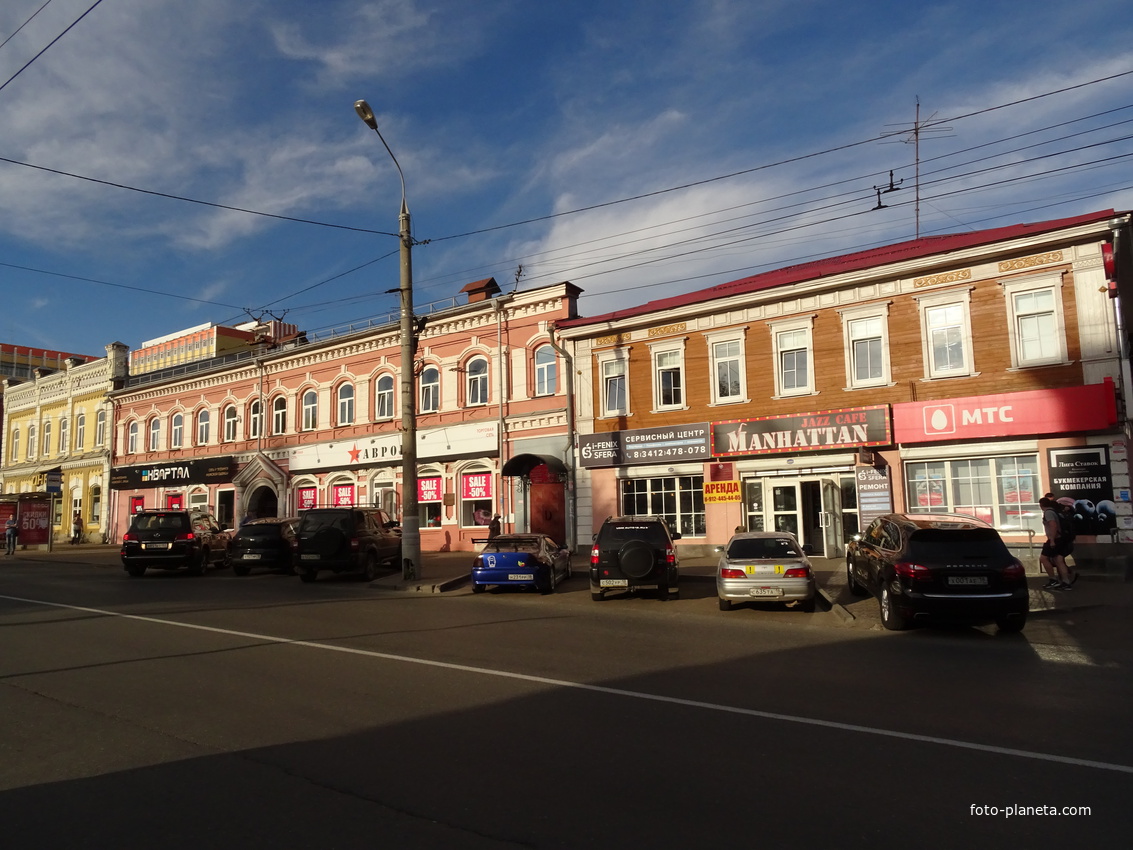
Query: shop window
point(476, 377)
point(306, 498)
point(430, 390)
point(383, 398)
point(279, 415)
point(1002, 491)
point(546, 371)
point(176, 431)
point(476, 499)
point(95, 504)
point(677, 499)
point(346, 404)
point(342, 495)
point(310, 407)
point(430, 498)
point(154, 433)
point(229, 424)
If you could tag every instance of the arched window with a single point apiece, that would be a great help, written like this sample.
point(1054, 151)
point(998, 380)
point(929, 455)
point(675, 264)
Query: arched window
point(255, 420)
point(100, 428)
point(80, 431)
point(279, 415)
point(346, 404)
point(176, 431)
point(64, 436)
point(430, 390)
point(154, 433)
point(47, 438)
point(31, 442)
point(15, 445)
point(310, 410)
point(229, 424)
point(476, 388)
point(383, 398)
point(95, 503)
point(203, 428)
point(132, 439)
point(546, 371)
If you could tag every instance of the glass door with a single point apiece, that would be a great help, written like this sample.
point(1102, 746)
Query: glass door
point(785, 507)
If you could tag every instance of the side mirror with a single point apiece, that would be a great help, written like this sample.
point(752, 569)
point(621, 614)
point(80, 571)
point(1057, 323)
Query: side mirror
point(717, 548)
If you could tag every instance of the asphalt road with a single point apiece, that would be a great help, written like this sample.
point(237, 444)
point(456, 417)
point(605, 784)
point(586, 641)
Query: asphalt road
point(253, 712)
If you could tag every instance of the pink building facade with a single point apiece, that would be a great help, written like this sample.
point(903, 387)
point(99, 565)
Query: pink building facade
point(316, 421)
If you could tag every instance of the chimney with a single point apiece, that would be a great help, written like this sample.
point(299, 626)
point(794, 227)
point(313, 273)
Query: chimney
point(481, 290)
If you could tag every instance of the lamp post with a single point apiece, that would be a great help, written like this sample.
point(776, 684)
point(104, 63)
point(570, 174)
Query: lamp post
point(410, 514)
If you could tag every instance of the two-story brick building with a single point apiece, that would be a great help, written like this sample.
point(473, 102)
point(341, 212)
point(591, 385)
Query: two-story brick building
point(970, 372)
point(316, 421)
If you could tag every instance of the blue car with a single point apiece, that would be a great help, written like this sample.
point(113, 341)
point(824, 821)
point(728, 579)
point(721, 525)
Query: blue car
point(531, 560)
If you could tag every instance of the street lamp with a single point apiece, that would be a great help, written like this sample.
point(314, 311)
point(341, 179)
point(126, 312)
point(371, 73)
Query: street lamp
point(410, 514)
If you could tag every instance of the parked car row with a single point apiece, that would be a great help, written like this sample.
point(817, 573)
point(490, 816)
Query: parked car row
point(353, 539)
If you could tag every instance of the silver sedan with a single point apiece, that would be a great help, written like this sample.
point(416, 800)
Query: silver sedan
point(764, 566)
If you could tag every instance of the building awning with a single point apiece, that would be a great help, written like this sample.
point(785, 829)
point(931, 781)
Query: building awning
point(520, 466)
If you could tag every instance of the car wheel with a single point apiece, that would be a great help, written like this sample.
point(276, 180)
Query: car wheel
point(636, 559)
point(852, 583)
point(891, 616)
point(136, 572)
point(308, 575)
point(1011, 624)
point(200, 566)
point(725, 604)
point(370, 567)
point(479, 588)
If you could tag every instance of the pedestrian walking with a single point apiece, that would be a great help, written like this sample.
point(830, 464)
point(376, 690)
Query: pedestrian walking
point(77, 529)
point(494, 527)
point(11, 533)
point(1051, 524)
point(1064, 545)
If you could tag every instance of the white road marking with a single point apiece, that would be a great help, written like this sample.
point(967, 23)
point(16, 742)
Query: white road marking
point(602, 689)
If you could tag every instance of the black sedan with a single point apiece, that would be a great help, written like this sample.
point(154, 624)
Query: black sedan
point(938, 566)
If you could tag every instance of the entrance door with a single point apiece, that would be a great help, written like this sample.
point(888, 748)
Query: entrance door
point(809, 508)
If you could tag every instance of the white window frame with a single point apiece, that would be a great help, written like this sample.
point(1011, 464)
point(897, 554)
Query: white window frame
point(851, 316)
point(617, 359)
point(132, 438)
point(1030, 284)
point(100, 428)
point(64, 435)
point(279, 415)
point(32, 443)
point(255, 419)
point(309, 407)
point(345, 403)
point(952, 297)
point(80, 430)
point(732, 337)
point(230, 421)
point(154, 434)
point(476, 382)
point(429, 400)
point(546, 371)
point(177, 430)
point(15, 445)
point(46, 437)
point(383, 398)
point(204, 421)
point(805, 326)
point(668, 357)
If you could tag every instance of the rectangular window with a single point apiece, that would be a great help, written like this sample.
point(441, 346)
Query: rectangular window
point(1002, 491)
point(1036, 332)
point(726, 368)
point(946, 339)
point(678, 499)
point(794, 373)
point(614, 387)
point(669, 380)
point(866, 349)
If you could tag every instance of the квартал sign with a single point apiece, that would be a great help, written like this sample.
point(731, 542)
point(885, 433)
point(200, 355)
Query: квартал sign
point(216, 470)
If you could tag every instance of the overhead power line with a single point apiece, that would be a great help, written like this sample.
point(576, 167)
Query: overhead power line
point(50, 44)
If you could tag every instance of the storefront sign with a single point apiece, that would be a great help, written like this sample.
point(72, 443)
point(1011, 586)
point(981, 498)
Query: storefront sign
point(645, 445)
point(34, 521)
point(820, 430)
point(1063, 410)
point(217, 470)
point(476, 485)
point(429, 490)
point(385, 449)
point(306, 498)
point(722, 491)
point(1083, 474)
point(875, 494)
point(342, 495)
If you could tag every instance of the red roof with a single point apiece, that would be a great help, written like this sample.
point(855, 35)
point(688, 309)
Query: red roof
point(913, 249)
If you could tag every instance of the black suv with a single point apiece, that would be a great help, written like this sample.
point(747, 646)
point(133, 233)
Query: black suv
point(631, 553)
point(946, 566)
point(262, 542)
point(345, 540)
point(173, 540)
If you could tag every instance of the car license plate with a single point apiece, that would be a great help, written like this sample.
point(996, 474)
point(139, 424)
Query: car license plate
point(251, 556)
point(765, 591)
point(967, 580)
point(156, 545)
point(520, 577)
point(614, 582)
point(309, 557)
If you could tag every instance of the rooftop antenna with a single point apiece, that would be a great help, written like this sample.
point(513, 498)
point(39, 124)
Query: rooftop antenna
point(912, 136)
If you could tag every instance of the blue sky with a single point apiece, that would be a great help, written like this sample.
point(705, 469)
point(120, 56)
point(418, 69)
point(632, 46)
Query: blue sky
point(779, 119)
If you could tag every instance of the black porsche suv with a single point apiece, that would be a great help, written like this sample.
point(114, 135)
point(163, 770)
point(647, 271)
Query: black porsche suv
point(345, 540)
point(172, 540)
point(633, 553)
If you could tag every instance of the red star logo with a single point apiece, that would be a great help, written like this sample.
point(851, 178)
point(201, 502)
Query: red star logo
point(354, 452)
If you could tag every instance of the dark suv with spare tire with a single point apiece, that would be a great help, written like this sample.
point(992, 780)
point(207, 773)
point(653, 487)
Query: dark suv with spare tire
point(345, 540)
point(634, 553)
point(173, 540)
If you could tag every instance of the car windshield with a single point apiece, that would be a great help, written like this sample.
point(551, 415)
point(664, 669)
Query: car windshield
point(616, 535)
point(260, 530)
point(160, 522)
point(318, 520)
point(967, 543)
point(762, 547)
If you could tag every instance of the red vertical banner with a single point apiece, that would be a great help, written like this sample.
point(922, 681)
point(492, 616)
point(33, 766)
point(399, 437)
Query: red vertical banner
point(476, 485)
point(34, 522)
point(343, 495)
point(137, 503)
point(174, 502)
point(306, 498)
point(429, 490)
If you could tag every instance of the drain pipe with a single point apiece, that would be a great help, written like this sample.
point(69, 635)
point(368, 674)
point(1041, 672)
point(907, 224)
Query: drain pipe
point(568, 453)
